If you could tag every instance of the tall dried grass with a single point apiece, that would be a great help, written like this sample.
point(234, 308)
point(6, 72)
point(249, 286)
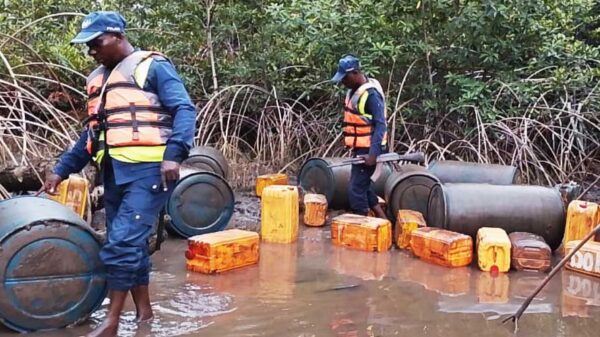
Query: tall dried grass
point(260, 131)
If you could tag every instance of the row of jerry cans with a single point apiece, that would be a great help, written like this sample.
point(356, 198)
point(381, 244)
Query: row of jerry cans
point(221, 251)
point(496, 250)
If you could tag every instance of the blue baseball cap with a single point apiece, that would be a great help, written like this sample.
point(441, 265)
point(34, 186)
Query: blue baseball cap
point(346, 64)
point(98, 23)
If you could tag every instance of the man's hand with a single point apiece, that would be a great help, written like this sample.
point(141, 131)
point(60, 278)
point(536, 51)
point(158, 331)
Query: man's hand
point(370, 160)
point(169, 171)
point(51, 184)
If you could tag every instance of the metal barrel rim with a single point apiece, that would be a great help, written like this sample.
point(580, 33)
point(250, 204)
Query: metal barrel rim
point(217, 200)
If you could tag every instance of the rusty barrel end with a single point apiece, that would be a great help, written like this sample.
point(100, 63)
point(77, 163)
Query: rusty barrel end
point(50, 272)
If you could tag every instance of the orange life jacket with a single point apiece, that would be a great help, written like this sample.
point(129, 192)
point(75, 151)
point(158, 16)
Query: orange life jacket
point(130, 117)
point(357, 123)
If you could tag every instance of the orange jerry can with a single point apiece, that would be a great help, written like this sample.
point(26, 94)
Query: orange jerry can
point(406, 222)
point(73, 193)
point(315, 209)
point(529, 252)
point(279, 214)
point(582, 218)
point(222, 251)
point(493, 250)
point(442, 247)
point(587, 259)
point(268, 180)
point(361, 232)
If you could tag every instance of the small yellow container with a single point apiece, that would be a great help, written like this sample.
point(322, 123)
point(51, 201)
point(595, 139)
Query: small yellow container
point(406, 222)
point(493, 249)
point(268, 180)
point(73, 193)
point(221, 251)
point(279, 214)
point(361, 232)
point(315, 209)
point(582, 218)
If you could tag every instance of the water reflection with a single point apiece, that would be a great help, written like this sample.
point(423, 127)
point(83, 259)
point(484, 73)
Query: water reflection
point(442, 280)
point(492, 288)
point(277, 271)
point(363, 265)
point(579, 293)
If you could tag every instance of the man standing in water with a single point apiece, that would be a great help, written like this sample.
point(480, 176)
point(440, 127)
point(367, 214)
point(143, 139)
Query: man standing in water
point(139, 128)
point(365, 131)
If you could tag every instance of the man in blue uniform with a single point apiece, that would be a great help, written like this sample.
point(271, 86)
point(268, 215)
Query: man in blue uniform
point(365, 131)
point(140, 127)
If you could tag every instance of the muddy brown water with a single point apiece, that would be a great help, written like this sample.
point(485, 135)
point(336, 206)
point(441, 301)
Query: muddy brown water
point(312, 288)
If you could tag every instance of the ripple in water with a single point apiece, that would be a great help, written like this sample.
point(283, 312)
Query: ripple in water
point(183, 312)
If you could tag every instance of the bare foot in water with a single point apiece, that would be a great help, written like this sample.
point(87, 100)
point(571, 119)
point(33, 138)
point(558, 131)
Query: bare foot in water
point(108, 328)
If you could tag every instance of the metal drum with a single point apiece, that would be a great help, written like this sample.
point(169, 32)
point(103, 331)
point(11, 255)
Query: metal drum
point(316, 177)
point(204, 158)
point(50, 270)
point(465, 208)
point(409, 189)
point(450, 171)
point(201, 202)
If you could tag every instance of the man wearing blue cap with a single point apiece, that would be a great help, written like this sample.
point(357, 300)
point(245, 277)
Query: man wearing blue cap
point(140, 126)
point(365, 131)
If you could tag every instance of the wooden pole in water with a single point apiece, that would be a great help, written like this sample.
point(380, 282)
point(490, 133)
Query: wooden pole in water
point(554, 271)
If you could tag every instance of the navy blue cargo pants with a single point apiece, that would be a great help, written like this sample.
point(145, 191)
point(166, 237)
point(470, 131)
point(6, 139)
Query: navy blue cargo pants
point(360, 192)
point(132, 211)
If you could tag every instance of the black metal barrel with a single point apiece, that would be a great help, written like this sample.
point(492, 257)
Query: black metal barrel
point(465, 208)
point(50, 271)
point(450, 171)
point(201, 202)
point(408, 188)
point(205, 158)
point(316, 177)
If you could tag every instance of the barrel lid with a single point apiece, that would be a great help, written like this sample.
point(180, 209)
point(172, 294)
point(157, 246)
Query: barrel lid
point(316, 177)
point(214, 155)
point(51, 274)
point(437, 209)
point(200, 203)
point(201, 163)
point(409, 190)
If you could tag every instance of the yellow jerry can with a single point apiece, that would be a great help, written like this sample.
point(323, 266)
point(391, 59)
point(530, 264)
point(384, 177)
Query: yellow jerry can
point(493, 250)
point(73, 193)
point(279, 216)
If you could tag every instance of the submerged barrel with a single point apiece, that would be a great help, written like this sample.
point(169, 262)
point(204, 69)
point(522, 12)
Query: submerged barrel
point(205, 158)
point(317, 177)
point(451, 171)
point(409, 188)
point(465, 208)
point(201, 202)
point(50, 271)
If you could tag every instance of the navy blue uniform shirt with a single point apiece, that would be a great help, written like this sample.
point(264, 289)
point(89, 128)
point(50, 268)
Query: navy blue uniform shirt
point(165, 82)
